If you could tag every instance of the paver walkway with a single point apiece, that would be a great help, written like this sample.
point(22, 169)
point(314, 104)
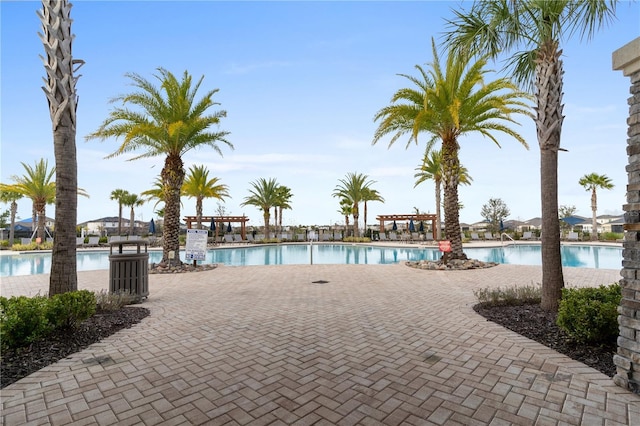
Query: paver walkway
point(375, 344)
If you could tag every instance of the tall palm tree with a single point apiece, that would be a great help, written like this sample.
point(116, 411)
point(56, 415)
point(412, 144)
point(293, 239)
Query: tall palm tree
point(592, 182)
point(132, 200)
point(169, 121)
point(431, 169)
point(37, 184)
point(118, 195)
point(369, 194)
point(198, 185)
point(352, 188)
point(263, 195)
point(10, 197)
point(447, 104)
point(283, 195)
point(60, 90)
point(533, 30)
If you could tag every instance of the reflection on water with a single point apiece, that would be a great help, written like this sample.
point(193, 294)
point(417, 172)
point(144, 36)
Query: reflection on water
point(583, 256)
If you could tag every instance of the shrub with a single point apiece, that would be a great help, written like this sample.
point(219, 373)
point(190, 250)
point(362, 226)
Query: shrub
point(611, 236)
point(356, 240)
point(70, 309)
point(590, 315)
point(23, 320)
point(516, 295)
point(113, 301)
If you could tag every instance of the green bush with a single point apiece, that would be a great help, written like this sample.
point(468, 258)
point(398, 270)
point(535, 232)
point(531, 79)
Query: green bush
point(23, 320)
point(590, 315)
point(70, 309)
point(511, 296)
point(611, 236)
point(106, 301)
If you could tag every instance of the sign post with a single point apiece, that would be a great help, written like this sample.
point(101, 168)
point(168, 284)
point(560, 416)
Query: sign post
point(196, 245)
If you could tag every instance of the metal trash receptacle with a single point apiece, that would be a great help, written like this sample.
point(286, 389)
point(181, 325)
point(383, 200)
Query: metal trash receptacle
point(129, 270)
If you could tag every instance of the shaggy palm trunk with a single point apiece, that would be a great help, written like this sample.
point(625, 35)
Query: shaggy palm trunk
point(266, 216)
point(356, 216)
point(365, 219)
point(14, 211)
point(450, 167)
point(280, 219)
point(41, 215)
point(61, 95)
point(119, 218)
point(172, 178)
point(594, 217)
point(549, 125)
point(275, 218)
point(131, 221)
point(199, 212)
point(438, 232)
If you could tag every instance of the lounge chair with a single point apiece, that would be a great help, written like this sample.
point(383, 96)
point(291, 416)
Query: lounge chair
point(300, 237)
point(228, 238)
point(393, 236)
point(94, 242)
point(488, 236)
point(415, 237)
point(237, 238)
point(382, 237)
point(428, 237)
point(326, 236)
point(25, 241)
point(573, 236)
point(115, 238)
point(79, 241)
point(474, 236)
point(405, 237)
point(259, 237)
point(250, 239)
point(527, 236)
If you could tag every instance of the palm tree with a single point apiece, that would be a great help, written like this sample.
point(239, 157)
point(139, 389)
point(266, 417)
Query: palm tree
point(283, 195)
point(198, 185)
point(264, 195)
point(591, 182)
point(346, 209)
point(172, 122)
point(132, 200)
point(8, 196)
point(449, 103)
point(431, 168)
point(60, 90)
point(352, 188)
point(534, 29)
point(370, 194)
point(39, 186)
point(118, 195)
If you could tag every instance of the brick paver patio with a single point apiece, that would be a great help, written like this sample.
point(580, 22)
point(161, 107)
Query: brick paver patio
point(375, 344)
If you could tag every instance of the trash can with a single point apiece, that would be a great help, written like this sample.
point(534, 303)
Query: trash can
point(129, 270)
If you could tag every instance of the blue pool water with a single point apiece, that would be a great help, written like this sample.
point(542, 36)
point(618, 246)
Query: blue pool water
point(585, 256)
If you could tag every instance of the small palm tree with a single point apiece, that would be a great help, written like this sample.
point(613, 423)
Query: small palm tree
point(592, 182)
point(263, 195)
point(198, 185)
point(283, 195)
point(352, 188)
point(431, 169)
point(156, 193)
point(170, 122)
point(370, 194)
point(447, 104)
point(11, 197)
point(534, 30)
point(118, 195)
point(346, 209)
point(132, 200)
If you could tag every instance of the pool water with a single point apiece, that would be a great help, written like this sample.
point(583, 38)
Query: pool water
point(582, 256)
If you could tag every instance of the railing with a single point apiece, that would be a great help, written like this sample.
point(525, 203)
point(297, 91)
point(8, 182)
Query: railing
point(504, 234)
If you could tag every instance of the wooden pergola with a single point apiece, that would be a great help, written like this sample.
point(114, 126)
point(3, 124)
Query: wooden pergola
point(402, 217)
point(219, 221)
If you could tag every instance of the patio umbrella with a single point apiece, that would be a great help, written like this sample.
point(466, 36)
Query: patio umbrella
point(501, 225)
point(421, 228)
point(394, 227)
point(572, 220)
point(412, 227)
point(229, 229)
point(212, 226)
point(152, 227)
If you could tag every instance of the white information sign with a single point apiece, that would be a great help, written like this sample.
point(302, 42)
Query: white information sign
point(196, 245)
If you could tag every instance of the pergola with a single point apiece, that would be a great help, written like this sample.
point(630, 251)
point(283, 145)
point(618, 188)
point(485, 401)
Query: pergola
point(416, 217)
point(219, 220)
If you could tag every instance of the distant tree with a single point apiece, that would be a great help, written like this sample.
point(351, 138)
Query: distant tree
point(353, 188)
point(118, 195)
point(346, 209)
point(3, 218)
point(370, 194)
point(198, 185)
point(564, 212)
point(494, 212)
point(11, 197)
point(132, 200)
point(263, 195)
point(592, 182)
point(283, 201)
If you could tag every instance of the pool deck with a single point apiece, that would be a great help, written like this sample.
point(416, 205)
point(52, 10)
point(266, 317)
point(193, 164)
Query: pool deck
point(374, 345)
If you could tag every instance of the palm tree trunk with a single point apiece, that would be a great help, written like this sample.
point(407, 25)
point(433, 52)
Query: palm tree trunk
point(42, 218)
point(451, 166)
point(549, 125)
point(280, 219)
point(365, 218)
point(131, 221)
point(594, 215)
point(119, 218)
point(438, 231)
point(172, 179)
point(14, 211)
point(199, 212)
point(275, 219)
point(356, 216)
point(266, 216)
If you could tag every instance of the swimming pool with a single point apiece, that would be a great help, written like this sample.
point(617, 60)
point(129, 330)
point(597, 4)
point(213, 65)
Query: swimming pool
point(582, 256)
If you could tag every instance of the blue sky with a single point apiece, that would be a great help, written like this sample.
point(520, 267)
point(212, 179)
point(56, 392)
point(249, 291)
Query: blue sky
point(301, 82)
